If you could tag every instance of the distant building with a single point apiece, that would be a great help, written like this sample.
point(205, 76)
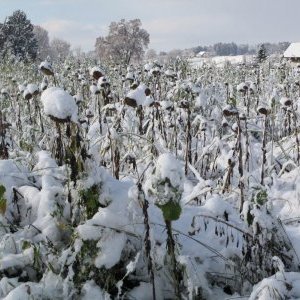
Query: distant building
point(203, 54)
point(293, 52)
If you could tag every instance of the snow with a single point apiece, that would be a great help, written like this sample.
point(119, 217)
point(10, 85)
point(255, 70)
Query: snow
point(32, 88)
point(283, 285)
point(111, 248)
point(22, 292)
point(71, 230)
point(46, 67)
point(59, 104)
point(170, 73)
point(91, 291)
point(17, 260)
point(44, 85)
point(96, 70)
point(8, 245)
point(11, 175)
point(217, 206)
point(166, 104)
point(26, 94)
point(148, 67)
point(143, 291)
point(21, 88)
point(48, 288)
point(94, 90)
point(7, 285)
point(241, 87)
point(4, 91)
point(139, 95)
point(220, 61)
point(167, 166)
point(285, 101)
point(102, 82)
point(130, 76)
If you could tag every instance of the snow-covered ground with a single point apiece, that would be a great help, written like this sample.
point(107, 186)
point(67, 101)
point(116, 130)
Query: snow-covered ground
point(220, 61)
point(150, 181)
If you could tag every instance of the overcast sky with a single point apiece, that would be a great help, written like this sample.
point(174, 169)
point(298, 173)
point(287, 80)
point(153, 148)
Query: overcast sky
point(171, 23)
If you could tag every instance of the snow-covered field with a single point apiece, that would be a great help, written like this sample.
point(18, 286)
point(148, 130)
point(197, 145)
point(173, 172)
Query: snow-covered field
point(221, 60)
point(150, 181)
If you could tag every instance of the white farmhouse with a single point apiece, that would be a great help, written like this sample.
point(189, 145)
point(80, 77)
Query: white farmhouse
point(293, 52)
point(203, 54)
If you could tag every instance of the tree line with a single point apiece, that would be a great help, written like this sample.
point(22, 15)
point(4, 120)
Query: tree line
point(125, 42)
point(228, 49)
point(19, 38)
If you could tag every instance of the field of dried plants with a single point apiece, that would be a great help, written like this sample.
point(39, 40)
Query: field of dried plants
point(151, 181)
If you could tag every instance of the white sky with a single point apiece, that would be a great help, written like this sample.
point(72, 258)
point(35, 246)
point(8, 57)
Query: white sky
point(171, 23)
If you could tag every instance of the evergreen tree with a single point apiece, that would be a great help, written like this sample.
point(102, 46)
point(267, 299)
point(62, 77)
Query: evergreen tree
point(2, 37)
point(18, 38)
point(261, 54)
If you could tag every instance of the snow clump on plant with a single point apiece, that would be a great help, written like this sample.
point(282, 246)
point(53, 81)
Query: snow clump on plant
point(167, 180)
point(59, 104)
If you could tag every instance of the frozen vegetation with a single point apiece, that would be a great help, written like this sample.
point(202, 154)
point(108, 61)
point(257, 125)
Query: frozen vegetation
point(151, 181)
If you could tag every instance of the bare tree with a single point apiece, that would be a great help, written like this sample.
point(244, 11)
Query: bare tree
point(60, 49)
point(78, 53)
point(42, 37)
point(151, 54)
point(174, 53)
point(125, 41)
